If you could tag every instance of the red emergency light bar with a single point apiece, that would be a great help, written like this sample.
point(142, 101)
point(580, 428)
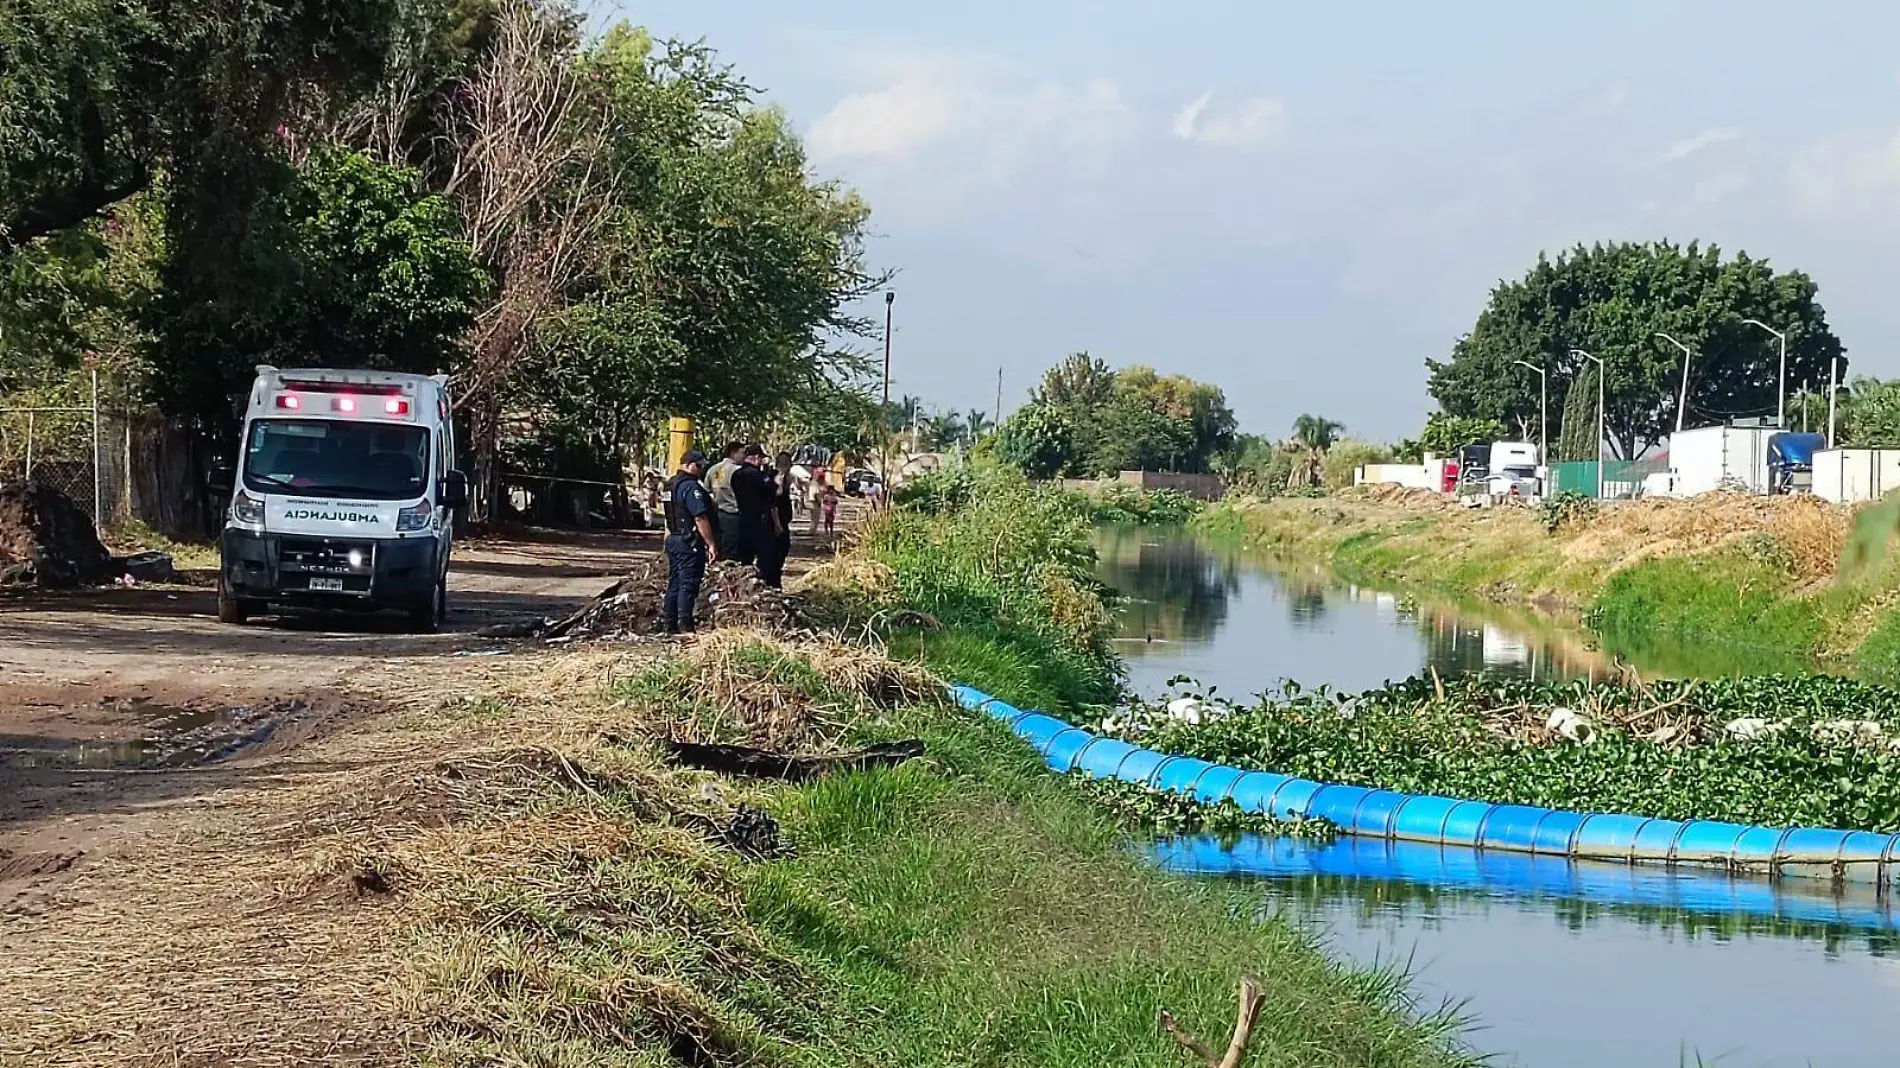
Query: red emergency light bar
point(397, 406)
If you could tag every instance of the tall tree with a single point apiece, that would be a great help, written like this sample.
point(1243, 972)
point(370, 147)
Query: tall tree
point(99, 96)
point(1611, 300)
point(1578, 440)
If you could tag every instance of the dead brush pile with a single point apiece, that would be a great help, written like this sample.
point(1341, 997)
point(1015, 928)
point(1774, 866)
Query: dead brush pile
point(754, 689)
point(1810, 533)
point(731, 596)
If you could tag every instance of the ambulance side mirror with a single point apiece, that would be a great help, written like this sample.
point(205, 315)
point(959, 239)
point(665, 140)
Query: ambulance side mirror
point(221, 477)
point(454, 491)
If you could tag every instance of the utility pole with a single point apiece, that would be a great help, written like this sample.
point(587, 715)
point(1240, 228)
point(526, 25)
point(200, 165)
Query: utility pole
point(884, 413)
point(999, 398)
point(889, 299)
point(1833, 388)
point(1781, 383)
point(1602, 373)
point(1682, 406)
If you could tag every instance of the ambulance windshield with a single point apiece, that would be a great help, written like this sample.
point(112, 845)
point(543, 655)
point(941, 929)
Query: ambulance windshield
point(337, 458)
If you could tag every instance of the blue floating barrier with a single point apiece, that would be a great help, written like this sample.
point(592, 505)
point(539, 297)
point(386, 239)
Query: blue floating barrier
point(1377, 818)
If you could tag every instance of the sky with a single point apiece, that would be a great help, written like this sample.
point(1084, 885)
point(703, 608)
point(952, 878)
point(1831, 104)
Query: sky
point(1304, 202)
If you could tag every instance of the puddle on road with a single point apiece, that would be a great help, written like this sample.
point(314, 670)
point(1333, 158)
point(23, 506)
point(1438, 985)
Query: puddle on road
point(168, 738)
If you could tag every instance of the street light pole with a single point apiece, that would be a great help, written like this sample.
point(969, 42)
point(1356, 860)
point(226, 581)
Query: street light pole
point(1602, 373)
point(889, 299)
point(1682, 406)
point(1781, 386)
point(1833, 389)
point(1543, 412)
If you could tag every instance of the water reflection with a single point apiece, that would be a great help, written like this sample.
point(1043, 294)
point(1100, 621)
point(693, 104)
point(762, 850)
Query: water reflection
point(1221, 616)
point(1173, 589)
point(1413, 878)
point(1563, 965)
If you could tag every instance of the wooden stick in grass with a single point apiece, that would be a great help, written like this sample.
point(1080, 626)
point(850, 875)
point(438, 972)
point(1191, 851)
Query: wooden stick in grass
point(1252, 1000)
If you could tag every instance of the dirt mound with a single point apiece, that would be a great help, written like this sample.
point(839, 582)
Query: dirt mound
point(45, 540)
point(731, 596)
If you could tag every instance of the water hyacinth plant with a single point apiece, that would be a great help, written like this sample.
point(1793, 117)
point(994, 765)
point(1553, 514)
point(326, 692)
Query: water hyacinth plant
point(1774, 750)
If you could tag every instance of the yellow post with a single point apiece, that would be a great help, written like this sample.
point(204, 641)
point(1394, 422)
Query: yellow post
point(679, 441)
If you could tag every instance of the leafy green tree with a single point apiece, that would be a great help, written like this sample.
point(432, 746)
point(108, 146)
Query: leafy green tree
point(1129, 436)
point(99, 97)
point(1445, 434)
point(1610, 300)
point(356, 265)
point(1039, 441)
point(384, 277)
point(1867, 414)
point(943, 430)
point(1079, 383)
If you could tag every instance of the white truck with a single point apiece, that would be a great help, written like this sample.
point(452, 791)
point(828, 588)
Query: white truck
point(344, 496)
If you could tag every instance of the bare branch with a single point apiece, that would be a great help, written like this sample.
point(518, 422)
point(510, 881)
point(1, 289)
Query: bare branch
point(1252, 1001)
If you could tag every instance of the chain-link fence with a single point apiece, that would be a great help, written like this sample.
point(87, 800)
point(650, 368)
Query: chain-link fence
point(83, 452)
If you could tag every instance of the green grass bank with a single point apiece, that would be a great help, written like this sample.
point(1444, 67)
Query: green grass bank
point(587, 903)
point(1718, 584)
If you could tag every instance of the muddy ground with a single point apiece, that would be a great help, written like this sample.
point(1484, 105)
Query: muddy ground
point(120, 706)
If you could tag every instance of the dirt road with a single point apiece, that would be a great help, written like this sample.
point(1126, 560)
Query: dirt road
point(118, 704)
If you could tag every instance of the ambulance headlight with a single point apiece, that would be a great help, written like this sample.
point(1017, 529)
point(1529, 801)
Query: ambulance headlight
point(415, 517)
point(247, 510)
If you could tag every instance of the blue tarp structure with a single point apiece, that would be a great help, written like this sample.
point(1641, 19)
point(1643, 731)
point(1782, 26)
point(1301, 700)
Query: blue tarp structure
point(1794, 452)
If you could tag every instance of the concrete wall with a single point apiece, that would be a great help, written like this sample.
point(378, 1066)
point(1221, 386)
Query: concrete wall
point(1201, 487)
point(1426, 476)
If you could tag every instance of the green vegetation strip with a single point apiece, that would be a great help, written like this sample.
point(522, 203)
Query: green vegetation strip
point(974, 910)
point(1812, 751)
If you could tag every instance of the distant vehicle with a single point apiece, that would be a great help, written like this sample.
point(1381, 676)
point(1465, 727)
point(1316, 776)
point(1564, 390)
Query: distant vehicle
point(344, 496)
point(1791, 461)
point(1501, 469)
point(1474, 465)
point(855, 482)
point(1659, 484)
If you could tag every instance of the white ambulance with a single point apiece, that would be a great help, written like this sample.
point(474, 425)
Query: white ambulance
point(344, 496)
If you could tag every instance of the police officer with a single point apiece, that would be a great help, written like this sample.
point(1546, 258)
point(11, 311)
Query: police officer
point(691, 543)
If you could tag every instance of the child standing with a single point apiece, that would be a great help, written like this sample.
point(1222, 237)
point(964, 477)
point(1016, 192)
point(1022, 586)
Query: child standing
point(830, 504)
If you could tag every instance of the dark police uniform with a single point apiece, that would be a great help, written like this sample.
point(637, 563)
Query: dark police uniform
point(687, 500)
point(779, 541)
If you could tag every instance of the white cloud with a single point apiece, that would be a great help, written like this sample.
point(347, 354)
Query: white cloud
point(891, 122)
point(932, 100)
point(1847, 175)
point(1701, 142)
point(1252, 121)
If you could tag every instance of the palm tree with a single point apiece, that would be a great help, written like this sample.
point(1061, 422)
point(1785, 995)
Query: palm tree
point(942, 430)
point(1312, 436)
point(978, 425)
point(1316, 433)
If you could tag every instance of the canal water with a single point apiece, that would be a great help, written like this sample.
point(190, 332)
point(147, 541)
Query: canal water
point(1557, 964)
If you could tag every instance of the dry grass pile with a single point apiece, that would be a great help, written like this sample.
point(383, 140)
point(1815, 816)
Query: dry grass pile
point(1390, 493)
point(1811, 531)
point(731, 596)
point(750, 688)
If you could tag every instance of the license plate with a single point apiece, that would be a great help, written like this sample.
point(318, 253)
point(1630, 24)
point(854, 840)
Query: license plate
point(327, 585)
